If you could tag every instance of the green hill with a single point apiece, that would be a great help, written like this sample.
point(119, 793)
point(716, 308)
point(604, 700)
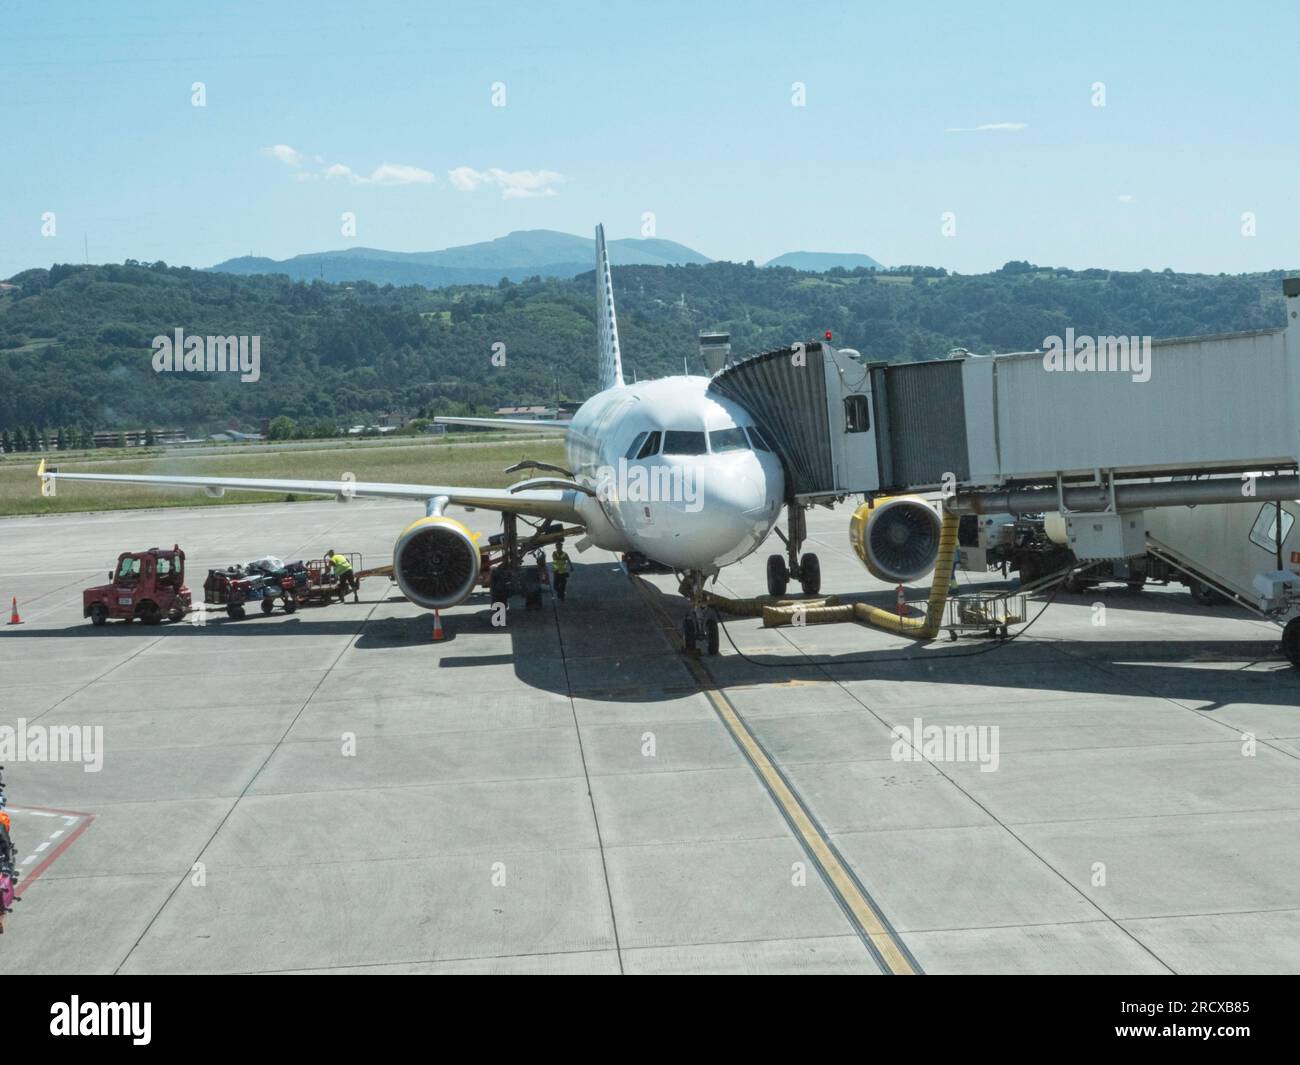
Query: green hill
point(821, 261)
point(75, 340)
point(516, 256)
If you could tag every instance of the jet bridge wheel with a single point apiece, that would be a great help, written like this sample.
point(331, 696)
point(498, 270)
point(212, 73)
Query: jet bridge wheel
point(810, 574)
point(778, 576)
point(1291, 642)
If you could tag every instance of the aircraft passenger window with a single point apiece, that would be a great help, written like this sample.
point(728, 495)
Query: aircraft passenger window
point(636, 446)
point(684, 442)
point(757, 438)
point(727, 440)
point(650, 447)
point(1264, 532)
point(857, 418)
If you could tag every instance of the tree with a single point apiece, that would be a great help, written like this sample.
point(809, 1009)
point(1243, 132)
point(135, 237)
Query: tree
point(33, 441)
point(6, 445)
point(281, 428)
point(149, 438)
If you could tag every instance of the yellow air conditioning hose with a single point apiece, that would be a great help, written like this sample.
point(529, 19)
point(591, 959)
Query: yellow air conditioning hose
point(926, 628)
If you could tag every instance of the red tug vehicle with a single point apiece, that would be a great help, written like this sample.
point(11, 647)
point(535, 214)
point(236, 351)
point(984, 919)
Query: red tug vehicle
point(149, 585)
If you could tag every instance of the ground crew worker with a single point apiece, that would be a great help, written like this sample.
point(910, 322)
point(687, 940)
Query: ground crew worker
point(560, 566)
point(343, 572)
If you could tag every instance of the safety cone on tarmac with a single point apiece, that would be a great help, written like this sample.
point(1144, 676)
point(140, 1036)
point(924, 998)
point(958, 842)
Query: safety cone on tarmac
point(437, 626)
point(14, 619)
point(901, 601)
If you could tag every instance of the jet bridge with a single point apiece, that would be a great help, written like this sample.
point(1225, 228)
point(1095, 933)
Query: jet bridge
point(1100, 429)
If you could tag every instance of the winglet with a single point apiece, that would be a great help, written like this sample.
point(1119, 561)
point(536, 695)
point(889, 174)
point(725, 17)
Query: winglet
point(611, 363)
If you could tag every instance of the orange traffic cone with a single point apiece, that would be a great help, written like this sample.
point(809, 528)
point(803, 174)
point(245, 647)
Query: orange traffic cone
point(437, 626)
point(14, 619)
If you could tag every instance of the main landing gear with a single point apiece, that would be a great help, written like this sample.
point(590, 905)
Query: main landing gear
point(510, 576)
point(807, 570)
point(698, 626)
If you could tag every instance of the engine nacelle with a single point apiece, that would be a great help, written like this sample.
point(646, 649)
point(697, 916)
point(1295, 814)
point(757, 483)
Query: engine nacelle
point(436, 562)
point(896, 537)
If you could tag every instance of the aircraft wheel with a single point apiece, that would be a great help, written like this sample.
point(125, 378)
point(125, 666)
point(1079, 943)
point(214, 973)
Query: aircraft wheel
point(778, 577)
point(268, 605)
point(150, 614)
point(499, 586)
point(1291, 642)
point(810, 574)
point(689, 634)
point(98, 614)
point(711, 635)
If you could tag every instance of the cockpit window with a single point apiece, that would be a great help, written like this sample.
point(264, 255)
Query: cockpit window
point(650, 447)
point(684, 442)
point(631, 452)
point(727, 440)
point(757, 438)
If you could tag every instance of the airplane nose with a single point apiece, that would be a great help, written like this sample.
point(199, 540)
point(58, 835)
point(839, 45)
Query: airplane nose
point(734, 506)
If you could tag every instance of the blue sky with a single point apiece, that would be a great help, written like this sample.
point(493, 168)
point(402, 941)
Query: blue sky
point(680, 109)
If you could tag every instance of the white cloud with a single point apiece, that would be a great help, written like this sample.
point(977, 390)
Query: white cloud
point(384, 174)
point(400, 174)
point(1127, 197)
point(1000, 127)
point(465, 178)
point(285, 154)
point(514, 184)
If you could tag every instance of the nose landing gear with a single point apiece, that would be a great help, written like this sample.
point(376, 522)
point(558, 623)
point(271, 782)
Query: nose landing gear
point(805, 569)
point(698, 626)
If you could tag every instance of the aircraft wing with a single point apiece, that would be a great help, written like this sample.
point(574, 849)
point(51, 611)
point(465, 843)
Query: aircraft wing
point(537, 425)
point(559, 503)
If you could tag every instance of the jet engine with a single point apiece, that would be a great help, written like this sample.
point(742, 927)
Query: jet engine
point(436, 562)
point(896, 537)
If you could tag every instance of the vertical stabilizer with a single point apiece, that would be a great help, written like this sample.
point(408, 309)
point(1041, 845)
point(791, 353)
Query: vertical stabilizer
point(611, 363)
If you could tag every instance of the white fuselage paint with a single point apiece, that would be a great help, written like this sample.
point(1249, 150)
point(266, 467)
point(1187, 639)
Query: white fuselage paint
point(691, 512)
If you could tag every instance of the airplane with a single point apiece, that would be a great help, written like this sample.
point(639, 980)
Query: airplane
point(662, 470)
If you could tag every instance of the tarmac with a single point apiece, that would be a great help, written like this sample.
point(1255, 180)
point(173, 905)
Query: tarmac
point(333, 791)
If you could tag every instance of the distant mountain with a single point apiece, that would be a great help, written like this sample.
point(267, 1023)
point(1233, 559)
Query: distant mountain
point(523, 253)
point(821, 261)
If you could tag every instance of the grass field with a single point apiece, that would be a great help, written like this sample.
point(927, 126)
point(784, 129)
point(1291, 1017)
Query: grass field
point(466, 463)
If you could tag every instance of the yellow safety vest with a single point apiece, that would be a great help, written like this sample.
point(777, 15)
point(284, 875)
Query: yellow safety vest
point(560, 562)
point(341, 565)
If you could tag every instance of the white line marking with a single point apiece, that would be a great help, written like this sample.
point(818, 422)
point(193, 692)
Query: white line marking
point(41, 846)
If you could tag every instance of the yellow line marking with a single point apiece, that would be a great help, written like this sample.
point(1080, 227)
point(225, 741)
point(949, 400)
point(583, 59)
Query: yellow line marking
point(842, 883)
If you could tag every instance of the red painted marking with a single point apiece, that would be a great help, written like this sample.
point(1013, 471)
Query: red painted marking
point(26, 879)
